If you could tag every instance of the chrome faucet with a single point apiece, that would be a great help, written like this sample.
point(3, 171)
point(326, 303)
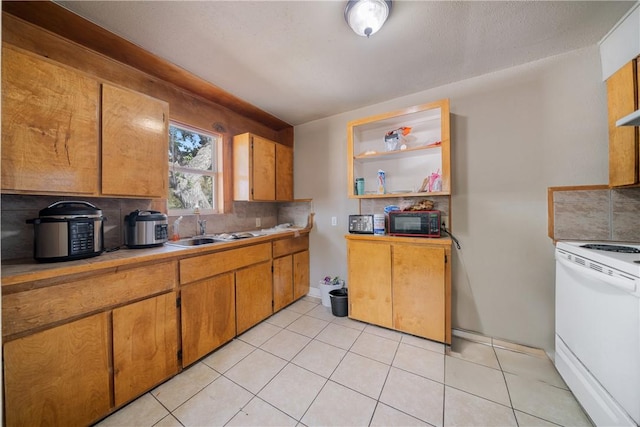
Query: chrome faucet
point(202, 224)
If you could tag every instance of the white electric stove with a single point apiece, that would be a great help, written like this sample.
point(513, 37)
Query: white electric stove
point(598, 328)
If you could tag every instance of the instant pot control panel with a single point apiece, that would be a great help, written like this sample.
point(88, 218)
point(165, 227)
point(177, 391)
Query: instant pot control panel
point(81, 237)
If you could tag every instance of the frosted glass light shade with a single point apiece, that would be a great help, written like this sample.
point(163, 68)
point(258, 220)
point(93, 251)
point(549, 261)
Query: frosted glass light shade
point(366, 17)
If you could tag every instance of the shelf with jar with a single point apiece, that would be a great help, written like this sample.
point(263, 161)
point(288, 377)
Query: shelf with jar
point(411, 147)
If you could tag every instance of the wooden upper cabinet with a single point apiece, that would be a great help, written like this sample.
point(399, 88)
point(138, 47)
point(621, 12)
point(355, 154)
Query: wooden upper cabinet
point(622, 99)
point(284, 172)
point(135, 143)
point(50, 127)
point(262, 169)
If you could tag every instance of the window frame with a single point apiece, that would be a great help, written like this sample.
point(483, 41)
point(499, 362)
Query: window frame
point(216, 174)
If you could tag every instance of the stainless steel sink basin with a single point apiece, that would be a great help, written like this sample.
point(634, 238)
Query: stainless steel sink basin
point(195, 241)
point(218, 238)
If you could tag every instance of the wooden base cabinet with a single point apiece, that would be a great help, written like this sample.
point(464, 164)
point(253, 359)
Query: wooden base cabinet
point(300, 274)
point(59, 376)
point(145, 345)
point(401, 284)
point(369, 279)
point(419, 290)
point(290, 270)
point(208, 312)
point(250, 274)
point(254, 296)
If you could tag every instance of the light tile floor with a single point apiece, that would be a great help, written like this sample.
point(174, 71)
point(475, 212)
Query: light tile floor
point(303, 366)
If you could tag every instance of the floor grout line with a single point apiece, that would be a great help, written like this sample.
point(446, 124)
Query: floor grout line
point(375, 333)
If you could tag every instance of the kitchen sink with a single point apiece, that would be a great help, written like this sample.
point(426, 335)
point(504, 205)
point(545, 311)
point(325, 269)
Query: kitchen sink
point(194, 241)
point(218, 238)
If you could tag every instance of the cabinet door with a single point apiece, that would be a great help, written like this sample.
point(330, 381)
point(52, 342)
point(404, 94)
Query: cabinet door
point(254, 295)
point(49, 127)
point(208, 312)
point(59, 376)
point(282, 282)
point(623, 140)
point(369, 272)
point(135, 142)
point(145, 345)
point(300, 274)
point(419, 290)
point(284, 172)
point(263, 180)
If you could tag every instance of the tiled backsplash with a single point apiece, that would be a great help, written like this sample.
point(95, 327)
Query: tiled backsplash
point(17, 235)
point(596, 214)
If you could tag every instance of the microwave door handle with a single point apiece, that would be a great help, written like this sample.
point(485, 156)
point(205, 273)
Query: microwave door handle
point(622, 284)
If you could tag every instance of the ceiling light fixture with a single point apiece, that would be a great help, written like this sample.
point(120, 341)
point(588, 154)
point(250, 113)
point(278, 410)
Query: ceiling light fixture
point(366, 17)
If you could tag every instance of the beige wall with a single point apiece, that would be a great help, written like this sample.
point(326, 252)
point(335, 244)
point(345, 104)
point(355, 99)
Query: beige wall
point(514, 133)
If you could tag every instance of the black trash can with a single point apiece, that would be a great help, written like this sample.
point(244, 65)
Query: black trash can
point(339, 302)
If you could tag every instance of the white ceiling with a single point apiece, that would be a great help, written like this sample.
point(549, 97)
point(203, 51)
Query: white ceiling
point(299, 61)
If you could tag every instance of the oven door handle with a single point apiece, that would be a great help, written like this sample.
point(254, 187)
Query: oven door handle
point(622, 284)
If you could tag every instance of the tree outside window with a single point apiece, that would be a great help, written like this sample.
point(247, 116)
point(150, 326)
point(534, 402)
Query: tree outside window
point(192, 170)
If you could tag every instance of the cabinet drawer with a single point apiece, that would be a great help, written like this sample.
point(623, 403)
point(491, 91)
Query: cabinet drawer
point(289, 246)
point(37, 308)
point(201, 267)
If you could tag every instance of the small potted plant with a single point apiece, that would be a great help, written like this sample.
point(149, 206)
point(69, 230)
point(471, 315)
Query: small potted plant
point(327, 285)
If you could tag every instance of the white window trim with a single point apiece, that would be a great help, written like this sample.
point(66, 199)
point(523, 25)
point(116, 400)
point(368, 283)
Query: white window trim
point(214, 174)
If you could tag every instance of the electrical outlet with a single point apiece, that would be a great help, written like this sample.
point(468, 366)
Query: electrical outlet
point(334, 221)
point(445, 221)
point(258, 222)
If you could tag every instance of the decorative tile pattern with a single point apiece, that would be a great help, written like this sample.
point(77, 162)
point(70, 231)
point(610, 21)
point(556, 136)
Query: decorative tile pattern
point(604, 214)
point(625, 205)
point(343, 372)
point(582, 215)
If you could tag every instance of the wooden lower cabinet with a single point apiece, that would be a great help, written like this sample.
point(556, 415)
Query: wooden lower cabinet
point(403, 286)
point(300, 274)
point(290, 270)
point(282, 282)
point(208, 313)
point(254, 295)
point(60, 376)
point(290, 279)
point(145, 345)
point(419, 290)
point(369, 281)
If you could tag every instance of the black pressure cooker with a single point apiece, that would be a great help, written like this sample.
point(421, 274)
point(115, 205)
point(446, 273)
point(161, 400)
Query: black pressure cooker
point(68, 230)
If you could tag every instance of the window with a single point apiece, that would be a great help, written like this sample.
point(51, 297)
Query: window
point(193, 170)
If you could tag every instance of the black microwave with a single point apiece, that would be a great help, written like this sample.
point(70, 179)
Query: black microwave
point(414, 223)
